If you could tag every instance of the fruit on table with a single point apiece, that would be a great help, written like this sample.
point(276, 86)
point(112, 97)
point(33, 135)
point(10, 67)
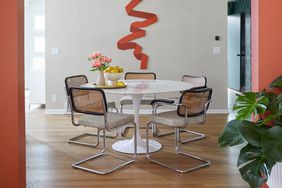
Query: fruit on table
point(120, 83)
point(114, 69)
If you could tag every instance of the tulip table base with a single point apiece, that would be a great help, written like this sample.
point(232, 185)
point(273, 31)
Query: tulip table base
point(127, 146)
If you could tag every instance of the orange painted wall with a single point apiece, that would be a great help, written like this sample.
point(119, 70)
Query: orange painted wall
point(12, 134)
point(267, 41)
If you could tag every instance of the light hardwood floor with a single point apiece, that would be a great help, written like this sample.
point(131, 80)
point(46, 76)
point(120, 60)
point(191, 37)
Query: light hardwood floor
point(49, 159)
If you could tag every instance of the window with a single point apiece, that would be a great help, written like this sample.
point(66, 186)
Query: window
point(39, 23)
point(38, 63)
point(39, 44)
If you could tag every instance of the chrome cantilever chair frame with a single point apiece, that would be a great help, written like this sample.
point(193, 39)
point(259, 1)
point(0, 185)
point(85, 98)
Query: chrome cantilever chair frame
point(199, 136)
point(75, 140)
point(78, 164)
point(177, 147)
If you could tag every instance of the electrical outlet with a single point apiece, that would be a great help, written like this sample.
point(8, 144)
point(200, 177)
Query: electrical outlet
point(54, 98)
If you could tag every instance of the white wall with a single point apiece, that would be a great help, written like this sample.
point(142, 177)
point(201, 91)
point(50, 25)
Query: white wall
point(180, 43)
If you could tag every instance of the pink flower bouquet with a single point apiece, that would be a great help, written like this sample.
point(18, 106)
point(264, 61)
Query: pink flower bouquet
point(99, 62)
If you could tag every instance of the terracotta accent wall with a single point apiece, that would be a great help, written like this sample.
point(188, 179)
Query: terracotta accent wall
point(12, 134)
point(266, 41)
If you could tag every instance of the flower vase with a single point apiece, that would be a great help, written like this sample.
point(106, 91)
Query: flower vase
point(101, 79)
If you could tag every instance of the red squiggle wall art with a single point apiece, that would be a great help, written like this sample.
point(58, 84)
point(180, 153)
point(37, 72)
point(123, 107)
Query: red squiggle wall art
point(126, 42)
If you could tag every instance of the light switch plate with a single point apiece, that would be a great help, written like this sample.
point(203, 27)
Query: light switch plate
point(55, 51)
point(216, 50)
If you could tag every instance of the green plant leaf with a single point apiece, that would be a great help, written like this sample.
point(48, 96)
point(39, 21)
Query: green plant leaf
point(277, 82)
point(272, 143)
point(256, 172)
point(255, 167)
point(249, 104)
point(251, 133)
point(248, 153)
point(231, 135)
point(279, 101)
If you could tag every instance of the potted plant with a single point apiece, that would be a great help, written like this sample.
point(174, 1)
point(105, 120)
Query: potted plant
point(258, 128)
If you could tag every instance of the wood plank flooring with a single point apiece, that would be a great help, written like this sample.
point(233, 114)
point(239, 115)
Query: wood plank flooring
point(49, 159)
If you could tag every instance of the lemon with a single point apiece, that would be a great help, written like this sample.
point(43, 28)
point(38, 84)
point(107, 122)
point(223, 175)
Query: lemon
point(120, 83)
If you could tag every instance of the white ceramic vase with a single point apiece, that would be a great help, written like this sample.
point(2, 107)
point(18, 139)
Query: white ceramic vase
point(275, 180)
point(101, 79)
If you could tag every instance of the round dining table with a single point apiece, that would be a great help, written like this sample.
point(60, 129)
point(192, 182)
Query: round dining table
point(136, 89)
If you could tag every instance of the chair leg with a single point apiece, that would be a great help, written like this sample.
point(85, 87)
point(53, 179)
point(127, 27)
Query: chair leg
point(178, 151)
point(78, 165)
point(157, 134)
point(155, 130)
point(115, 108)
point(75, 140)
point(121, 108)
point(123, 130)
point(199, 135)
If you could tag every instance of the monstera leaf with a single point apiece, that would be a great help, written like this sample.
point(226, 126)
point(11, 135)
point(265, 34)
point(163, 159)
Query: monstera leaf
point(277, 82)
point(272, 143)
point(250, 104)
point(251, 133)
point(255, 169)
point(231, 135)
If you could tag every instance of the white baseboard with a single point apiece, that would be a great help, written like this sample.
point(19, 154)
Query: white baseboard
point(55, 111)
point(142, 111)
point(218, 111)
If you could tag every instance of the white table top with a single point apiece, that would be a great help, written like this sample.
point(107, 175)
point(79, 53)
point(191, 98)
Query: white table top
point(148, 87)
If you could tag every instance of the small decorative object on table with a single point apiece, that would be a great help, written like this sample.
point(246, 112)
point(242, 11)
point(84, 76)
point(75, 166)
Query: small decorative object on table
point(113, 74)
point(99, 63)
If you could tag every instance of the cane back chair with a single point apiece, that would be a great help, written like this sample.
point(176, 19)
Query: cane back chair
point(198, 82)
point(77, 81)
point(91, 105)
point(191, 109)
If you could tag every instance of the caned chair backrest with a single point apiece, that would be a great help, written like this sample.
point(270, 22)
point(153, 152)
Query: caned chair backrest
point(88, 100)
point(75, 81)
point(196, 81)
point(140, 76)
point(195, 101)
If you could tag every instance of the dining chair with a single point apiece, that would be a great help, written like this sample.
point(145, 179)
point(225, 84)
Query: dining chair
point(191, 109)
point(126, 100)
point(77, 81)
point(198, 83)
point(91, 105)
point(146, 100)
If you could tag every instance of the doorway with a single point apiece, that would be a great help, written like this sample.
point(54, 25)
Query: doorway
point(239, 49)
point(239, 45)
point(34, 52)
